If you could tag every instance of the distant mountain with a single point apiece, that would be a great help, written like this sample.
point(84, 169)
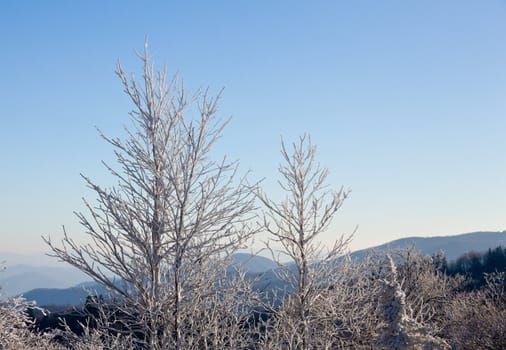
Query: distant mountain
point(253, 263)
point(64, 285)
point(452, 246)
point(17, 279)
point(68, 296)
point(52, 285)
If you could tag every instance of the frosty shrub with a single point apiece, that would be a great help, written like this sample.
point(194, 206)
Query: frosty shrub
point(476, 319)
point(407, 323)
point(15, 326)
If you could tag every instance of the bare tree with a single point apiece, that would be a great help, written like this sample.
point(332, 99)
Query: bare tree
point(295, 224)
point(159, 238)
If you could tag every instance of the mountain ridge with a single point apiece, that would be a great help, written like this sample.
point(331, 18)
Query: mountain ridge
point(49, 289)
point(453, 246)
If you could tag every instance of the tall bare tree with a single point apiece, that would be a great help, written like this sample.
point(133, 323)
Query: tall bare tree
point(158, 239)
point(296, 224)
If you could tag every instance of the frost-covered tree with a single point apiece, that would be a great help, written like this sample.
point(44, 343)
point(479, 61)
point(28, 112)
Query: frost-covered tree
point(393, 311)
point(159, 239)
point(428, 289)
point(402, 327)
point(295, 225)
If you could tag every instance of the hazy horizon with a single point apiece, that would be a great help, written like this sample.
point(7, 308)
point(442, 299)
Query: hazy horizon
point(405, 101)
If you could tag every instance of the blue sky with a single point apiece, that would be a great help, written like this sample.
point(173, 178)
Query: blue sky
point(406, 101)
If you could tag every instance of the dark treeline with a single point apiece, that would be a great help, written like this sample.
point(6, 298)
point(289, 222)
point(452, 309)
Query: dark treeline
point(475, 266)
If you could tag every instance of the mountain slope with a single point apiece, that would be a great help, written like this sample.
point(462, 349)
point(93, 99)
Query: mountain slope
point(68, 296)
point(63, 286)
point(452, 246)
point(253, 263)
point(17, 279)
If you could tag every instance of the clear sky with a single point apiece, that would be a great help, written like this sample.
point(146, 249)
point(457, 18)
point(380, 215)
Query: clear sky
point(406, 101)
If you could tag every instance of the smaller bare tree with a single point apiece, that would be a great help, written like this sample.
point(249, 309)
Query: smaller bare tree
point(296, 224)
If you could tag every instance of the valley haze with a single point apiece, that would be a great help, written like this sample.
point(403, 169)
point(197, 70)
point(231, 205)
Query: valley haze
point(47, 281)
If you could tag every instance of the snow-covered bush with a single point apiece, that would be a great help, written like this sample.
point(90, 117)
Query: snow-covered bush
point(476, 320)
point(15, 323)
